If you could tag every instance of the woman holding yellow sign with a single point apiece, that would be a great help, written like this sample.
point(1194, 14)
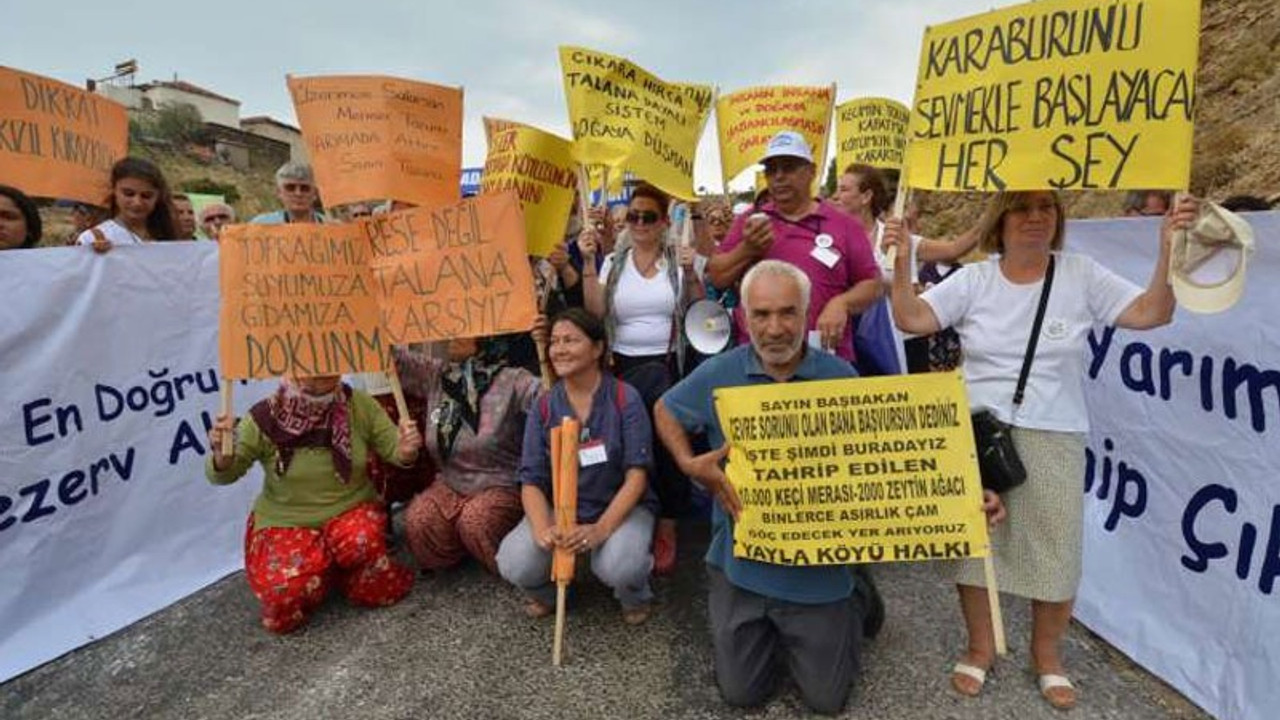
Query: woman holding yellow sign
point(1031, 305)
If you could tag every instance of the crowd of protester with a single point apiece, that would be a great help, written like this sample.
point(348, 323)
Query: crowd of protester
point(470, 464)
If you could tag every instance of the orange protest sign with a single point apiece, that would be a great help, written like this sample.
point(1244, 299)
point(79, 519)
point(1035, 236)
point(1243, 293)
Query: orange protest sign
point(375, 137)
point(565, 491)
point(456, 271)
point(57, 140)
point(298, 300)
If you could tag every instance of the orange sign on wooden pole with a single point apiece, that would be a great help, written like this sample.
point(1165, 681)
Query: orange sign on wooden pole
point(564, 489)
point(456, 271)
point(374, 137)
point(298, 300)
point(56, 140)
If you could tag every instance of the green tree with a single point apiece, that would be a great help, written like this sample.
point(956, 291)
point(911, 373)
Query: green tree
point(179, 123)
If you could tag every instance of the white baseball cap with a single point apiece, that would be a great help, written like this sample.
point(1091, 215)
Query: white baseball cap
point(1208, 261)
point(788, 143)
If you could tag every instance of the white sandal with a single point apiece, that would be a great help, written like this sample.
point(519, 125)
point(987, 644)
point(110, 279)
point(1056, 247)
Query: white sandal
point(1052, 681)
point(969, 671)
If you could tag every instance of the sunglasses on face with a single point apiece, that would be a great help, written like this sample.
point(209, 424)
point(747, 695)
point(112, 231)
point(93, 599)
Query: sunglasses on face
point(296, 187)
point(783, 166)
point(643, 217)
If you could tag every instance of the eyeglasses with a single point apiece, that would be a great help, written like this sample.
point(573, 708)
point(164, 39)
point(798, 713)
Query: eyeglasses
point(362, 214)
point(643, 217)
point(783, 165)
point(216, 218)
point(716, 219)
point(296, 187)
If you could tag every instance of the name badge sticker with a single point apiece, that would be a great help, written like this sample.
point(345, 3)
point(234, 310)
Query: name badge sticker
point(826, 256)
point(592, 453)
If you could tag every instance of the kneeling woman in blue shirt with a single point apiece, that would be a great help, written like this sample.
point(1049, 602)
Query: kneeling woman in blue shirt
point(615, 505)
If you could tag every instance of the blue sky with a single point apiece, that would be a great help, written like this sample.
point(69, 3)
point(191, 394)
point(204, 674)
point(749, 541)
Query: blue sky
point(503, 52)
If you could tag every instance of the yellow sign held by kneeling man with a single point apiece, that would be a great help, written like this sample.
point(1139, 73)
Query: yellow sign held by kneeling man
point(854, 471)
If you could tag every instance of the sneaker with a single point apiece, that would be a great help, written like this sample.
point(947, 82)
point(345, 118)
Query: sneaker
point(664, 547)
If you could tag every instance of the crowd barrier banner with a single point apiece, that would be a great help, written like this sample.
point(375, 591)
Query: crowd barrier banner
point(456, 271)
point(854, 471)
point(748, 118)
point(627, 118)
point(299, 300)
point(871, 131)
point(110, 366)
point(1068, 94)
point(539, 167)
point(1182, 482)
point(59, 141)
point(378, 138)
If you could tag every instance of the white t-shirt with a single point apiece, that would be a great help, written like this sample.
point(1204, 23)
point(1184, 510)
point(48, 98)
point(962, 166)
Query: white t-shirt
point(642, 308)
point(116, 233)
point(993, 318)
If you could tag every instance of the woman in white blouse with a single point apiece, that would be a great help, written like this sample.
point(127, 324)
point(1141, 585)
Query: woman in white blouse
point(992, 305)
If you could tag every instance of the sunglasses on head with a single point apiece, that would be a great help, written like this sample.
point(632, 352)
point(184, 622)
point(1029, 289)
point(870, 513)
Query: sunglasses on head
point(643, 217)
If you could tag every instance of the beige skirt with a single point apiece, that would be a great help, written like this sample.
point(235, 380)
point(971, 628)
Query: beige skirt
point(1037, 548)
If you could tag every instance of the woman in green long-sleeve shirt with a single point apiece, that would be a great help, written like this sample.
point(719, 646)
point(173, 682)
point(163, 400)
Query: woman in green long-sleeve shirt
point(318, 521)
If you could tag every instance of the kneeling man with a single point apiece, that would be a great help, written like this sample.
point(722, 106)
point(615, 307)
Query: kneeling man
point(811, 618)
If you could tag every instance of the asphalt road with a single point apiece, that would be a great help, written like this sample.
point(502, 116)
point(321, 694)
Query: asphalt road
point(460, 647)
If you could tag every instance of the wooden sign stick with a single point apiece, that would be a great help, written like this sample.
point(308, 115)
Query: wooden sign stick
point(393, 377)
point(899, 207)
point(584, 193)
point(993, 599)
point(228, 439)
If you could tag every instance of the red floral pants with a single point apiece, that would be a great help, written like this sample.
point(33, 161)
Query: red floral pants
point(290, 569)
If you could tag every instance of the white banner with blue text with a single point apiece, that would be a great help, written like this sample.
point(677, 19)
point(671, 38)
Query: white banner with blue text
point(1182, 482)
point(110, 381)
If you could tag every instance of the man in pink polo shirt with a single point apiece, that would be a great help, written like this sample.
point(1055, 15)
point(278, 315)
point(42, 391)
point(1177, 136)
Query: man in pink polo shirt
point(825, 243)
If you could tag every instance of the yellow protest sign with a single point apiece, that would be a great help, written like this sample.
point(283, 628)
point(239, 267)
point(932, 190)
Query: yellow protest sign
point(1066, 94)
point(748, 118)
point(453, 271)
point(298, 301)
point(375, 138)
point(540, 168)
point(871, 131)
point(851, 471)
point(57, 140)
point(628, 118)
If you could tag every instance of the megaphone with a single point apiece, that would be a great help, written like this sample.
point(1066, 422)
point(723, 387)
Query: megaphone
point(708, 326)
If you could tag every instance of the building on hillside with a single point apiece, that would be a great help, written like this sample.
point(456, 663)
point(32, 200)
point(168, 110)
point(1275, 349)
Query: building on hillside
point(214, 109)
point(269, 127)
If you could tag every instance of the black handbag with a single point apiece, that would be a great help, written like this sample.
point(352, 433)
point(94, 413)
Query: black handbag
point(998, 460)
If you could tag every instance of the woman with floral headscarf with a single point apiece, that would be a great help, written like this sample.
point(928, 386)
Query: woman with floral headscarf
point(476, 405)
point(318, 520)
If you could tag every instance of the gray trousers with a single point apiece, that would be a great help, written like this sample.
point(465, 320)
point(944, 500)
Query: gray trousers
point(623, 562)
point(753, 634)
